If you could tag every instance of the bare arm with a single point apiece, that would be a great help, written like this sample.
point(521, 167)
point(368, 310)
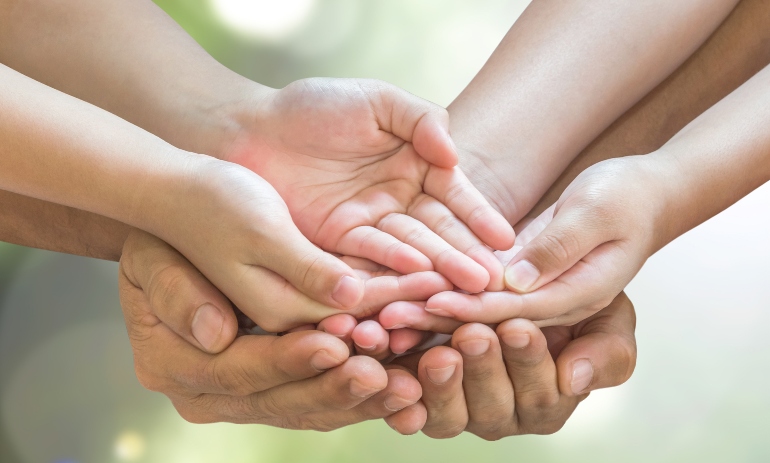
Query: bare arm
point(39, 224)
point(564, 73)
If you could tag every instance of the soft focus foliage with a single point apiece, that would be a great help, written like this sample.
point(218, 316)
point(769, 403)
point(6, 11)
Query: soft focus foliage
point(67, 389)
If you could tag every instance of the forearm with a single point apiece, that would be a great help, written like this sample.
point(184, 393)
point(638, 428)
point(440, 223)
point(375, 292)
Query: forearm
point(564, 72)
point(59, 149)
point(129, 58)
point(717, 159)
point(39, 224)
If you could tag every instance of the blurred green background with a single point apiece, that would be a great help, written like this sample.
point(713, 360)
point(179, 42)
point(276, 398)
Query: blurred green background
point(67, 389)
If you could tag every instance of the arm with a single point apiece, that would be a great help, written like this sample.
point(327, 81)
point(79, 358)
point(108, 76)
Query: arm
point(31, 222)
point(563, 73)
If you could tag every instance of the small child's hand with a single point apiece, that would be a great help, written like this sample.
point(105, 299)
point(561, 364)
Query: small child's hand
point(578, 255)
point(357, 161)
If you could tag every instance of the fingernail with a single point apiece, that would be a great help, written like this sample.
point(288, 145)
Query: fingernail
point(474, 348)
point(516, 340)
point(521, 276)
point(359, 390)
point(582, 375)
point(347, 292)
point(395, 403)
point(439, 312)
point(440, 376)
point(321, 361)
point(207, 325)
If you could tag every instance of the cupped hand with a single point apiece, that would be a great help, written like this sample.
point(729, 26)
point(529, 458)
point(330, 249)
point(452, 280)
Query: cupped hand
point(504, 382)
point(357, 160)
point(183, 335)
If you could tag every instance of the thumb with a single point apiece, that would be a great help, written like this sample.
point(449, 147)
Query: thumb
point(415, 120)
point(316, 273)
point(178, 295)
point(603, 353)
point(569, 237)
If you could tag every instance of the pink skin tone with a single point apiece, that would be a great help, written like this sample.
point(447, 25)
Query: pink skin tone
point(374, 176)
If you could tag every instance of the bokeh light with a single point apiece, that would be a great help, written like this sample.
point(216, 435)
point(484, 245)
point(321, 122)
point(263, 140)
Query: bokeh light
point(265, 19)
point(129, 446)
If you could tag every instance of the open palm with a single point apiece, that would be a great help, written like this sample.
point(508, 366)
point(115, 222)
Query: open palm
point(357, 160)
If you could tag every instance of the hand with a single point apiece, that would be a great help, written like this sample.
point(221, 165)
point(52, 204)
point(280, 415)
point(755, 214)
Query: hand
point(578, 255)
point(356, 161)
point(303, 380)
point(505, 382)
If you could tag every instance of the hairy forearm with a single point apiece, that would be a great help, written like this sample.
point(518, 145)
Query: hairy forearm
point(39, 224)
point(718, 158)
point(129, 58)
point(564, 73)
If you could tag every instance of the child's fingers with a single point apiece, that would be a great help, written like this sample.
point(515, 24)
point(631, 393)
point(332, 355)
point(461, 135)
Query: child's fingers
point(453, 264)
point(452, 187)
point(404, 339)
point(570, 236)
point(384, 290)
point(318, 274)
point(445, 224)
point(384, 249)
point(577, 294)
point(405, 314)
point(371, 340)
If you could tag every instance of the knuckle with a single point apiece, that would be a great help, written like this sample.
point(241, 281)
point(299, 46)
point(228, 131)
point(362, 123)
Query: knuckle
point(309, 269)
point(147, 379)
point(454, 192)
point(444, 432)
point(444, 224)
point(193, 415)
point(556, 249)
point(167, 284)
point(268, 404)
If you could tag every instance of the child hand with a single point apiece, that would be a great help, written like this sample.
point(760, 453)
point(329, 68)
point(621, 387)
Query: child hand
point(579, 254)
point(357, 160)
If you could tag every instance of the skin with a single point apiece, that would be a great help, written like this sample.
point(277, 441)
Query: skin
point(198, 127)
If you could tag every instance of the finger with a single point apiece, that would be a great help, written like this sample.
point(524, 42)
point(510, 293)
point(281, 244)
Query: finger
point(452, 188)
point(384, 290)
point(586, 288)
point(488, 389)
point(404, 339)
point(371, 339)
point(251, 364)
point(445, 224)
point(402, 392)
point(384, 249)
point(409, 420)
point(340, 326)
point(317, 274)
point(179, 296)
point(460, 269)
point(341, 388)
point(569, 237)
point(441, 374)
point(405, 314)
point(424, 124)
point(603, 353)
point(540, 408)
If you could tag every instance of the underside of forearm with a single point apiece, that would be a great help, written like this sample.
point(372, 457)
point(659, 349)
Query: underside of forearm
point(732, 55)
point(129, 58)
point(718, 158)
point(39, 224)
point(564, 73)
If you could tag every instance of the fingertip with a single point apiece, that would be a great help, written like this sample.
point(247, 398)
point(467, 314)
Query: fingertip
point(214, 328)
point(339, 325)
point(404, 339)
point(410, 420)
point(348, 292)
point(522, 276)
point(433, 142)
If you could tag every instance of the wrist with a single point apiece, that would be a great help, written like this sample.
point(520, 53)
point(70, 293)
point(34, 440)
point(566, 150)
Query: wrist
point(215, 126)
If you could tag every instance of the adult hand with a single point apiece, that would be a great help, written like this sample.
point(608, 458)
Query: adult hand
point(356, 161)
point(504, 382)
point(183, 335)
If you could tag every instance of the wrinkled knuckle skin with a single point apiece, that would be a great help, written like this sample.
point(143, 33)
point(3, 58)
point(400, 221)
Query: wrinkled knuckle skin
point(444, 432)
point(148, 380)
point(310, 268)
point(235, 380)
point(167, 286)
point(193, 416)
point(558, 249)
